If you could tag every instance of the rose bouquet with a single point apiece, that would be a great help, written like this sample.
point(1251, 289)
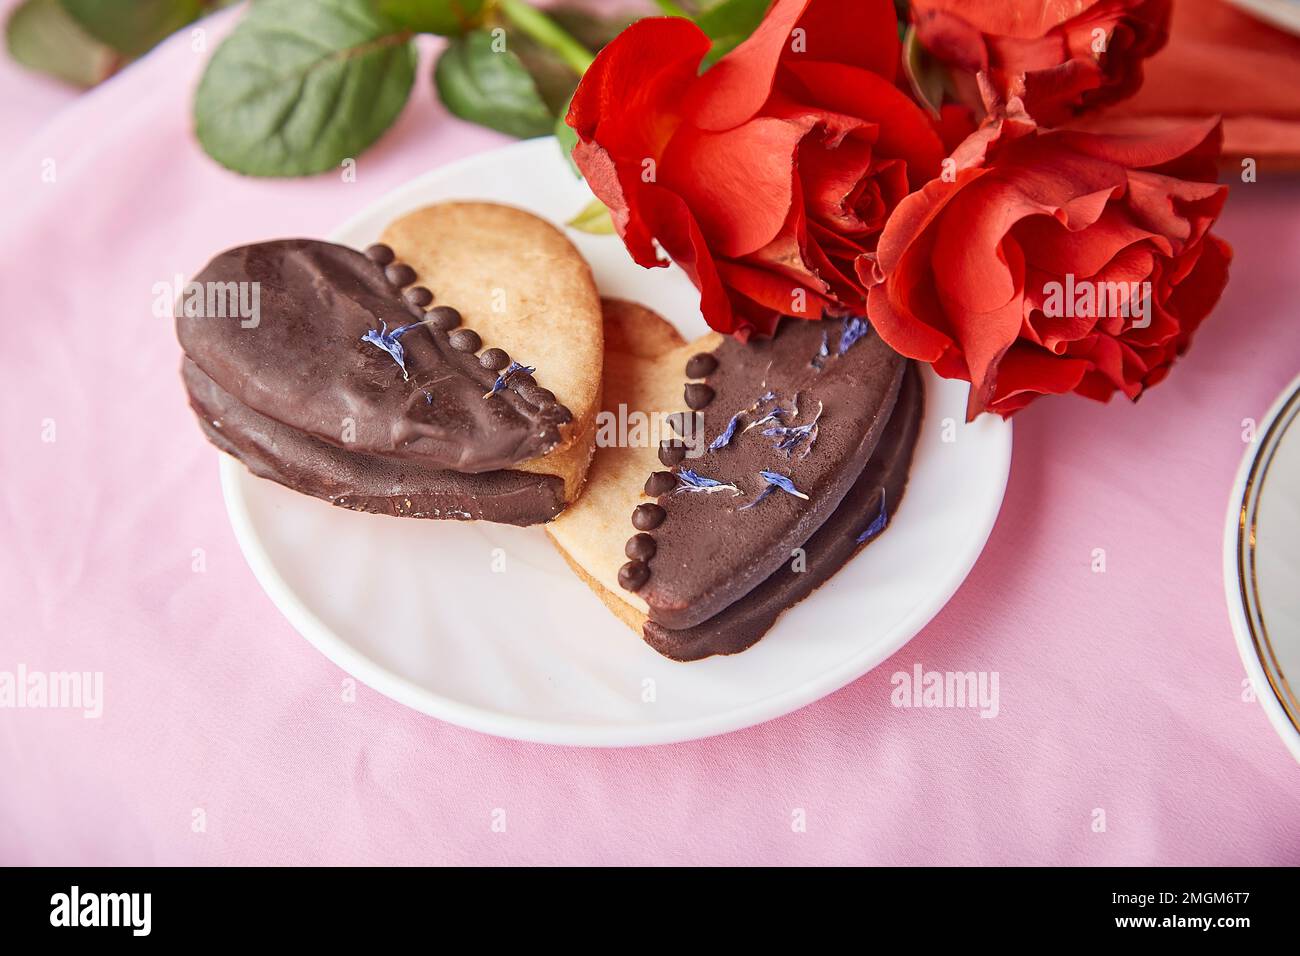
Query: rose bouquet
point(921, 172)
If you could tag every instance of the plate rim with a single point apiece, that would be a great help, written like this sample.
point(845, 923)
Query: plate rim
point(568, 733)
point(1248, 646)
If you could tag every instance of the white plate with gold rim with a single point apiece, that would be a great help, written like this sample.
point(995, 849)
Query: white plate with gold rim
point(484, 626)
point(1261, 564)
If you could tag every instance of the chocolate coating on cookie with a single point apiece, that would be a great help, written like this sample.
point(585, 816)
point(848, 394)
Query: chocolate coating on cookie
point(711, 552)
point(647, 517)
point(465, 340)
point(444, 318)
point(380, 254)
point(640, 547)
point(399, 274)
point(701, 365)
point(312, 362)
point(660, 483)
point(361, 482)
point(743, 622)
point(494, 360)
point(633, 575)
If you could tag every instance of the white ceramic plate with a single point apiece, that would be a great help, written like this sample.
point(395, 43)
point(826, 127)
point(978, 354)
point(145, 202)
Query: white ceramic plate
point(1261, 564)
point(416, 610)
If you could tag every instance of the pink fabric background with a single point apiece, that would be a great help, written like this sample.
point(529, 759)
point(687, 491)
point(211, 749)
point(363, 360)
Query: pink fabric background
point(1120, 691)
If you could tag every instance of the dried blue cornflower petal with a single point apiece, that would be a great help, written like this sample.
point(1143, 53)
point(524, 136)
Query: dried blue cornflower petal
point(790, 436)
point(878, 523)
point(387, 341)
point(728, 433)
point(819, 360)
point(504, 376)
point(693, 481)
point(778, 480)
point(775, 481)
point(724, 439)
point(854, 329)
point(762, 495)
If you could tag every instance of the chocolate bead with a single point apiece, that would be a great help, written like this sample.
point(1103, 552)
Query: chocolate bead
point(677, 422)
point(647, 517)
point(444, 318)
point(701, 365)
point(633, 575)
point(671, 453)
point(660, 483)
point(640, 547)
point(494, 360)
point(400, 274)
point(465, 340)
point(536, 395)
point(562, 414)
point(418, 296)
point(697, 395)
point(379, 254)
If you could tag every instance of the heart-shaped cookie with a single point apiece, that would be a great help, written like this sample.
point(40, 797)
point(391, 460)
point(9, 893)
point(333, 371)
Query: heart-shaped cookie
point(797, 456)
point(429, 388)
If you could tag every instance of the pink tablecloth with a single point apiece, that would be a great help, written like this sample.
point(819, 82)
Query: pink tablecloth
point(1122, 736)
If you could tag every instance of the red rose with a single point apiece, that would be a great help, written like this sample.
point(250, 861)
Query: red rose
point(1074, 54)
point(767, 178)
point(990, 276)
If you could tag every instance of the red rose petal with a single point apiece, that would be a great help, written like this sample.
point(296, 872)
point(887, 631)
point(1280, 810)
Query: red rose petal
point(1155, 146)
point(629, 98)
point(1057, 249)
point(901, 331)
point(1026, 372)
point(670, 221)
point(905, 130)
point(772, 291)
point(735, 88)
point(860, 33)
point(737, 183)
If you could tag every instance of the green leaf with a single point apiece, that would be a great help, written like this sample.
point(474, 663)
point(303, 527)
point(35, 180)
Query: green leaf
point(594, 219)
point(732, 17)
point(446, 18)
point(132, 27)
point(299, 87)
point(481, 80)
point(41, 36)
point(729, 23)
